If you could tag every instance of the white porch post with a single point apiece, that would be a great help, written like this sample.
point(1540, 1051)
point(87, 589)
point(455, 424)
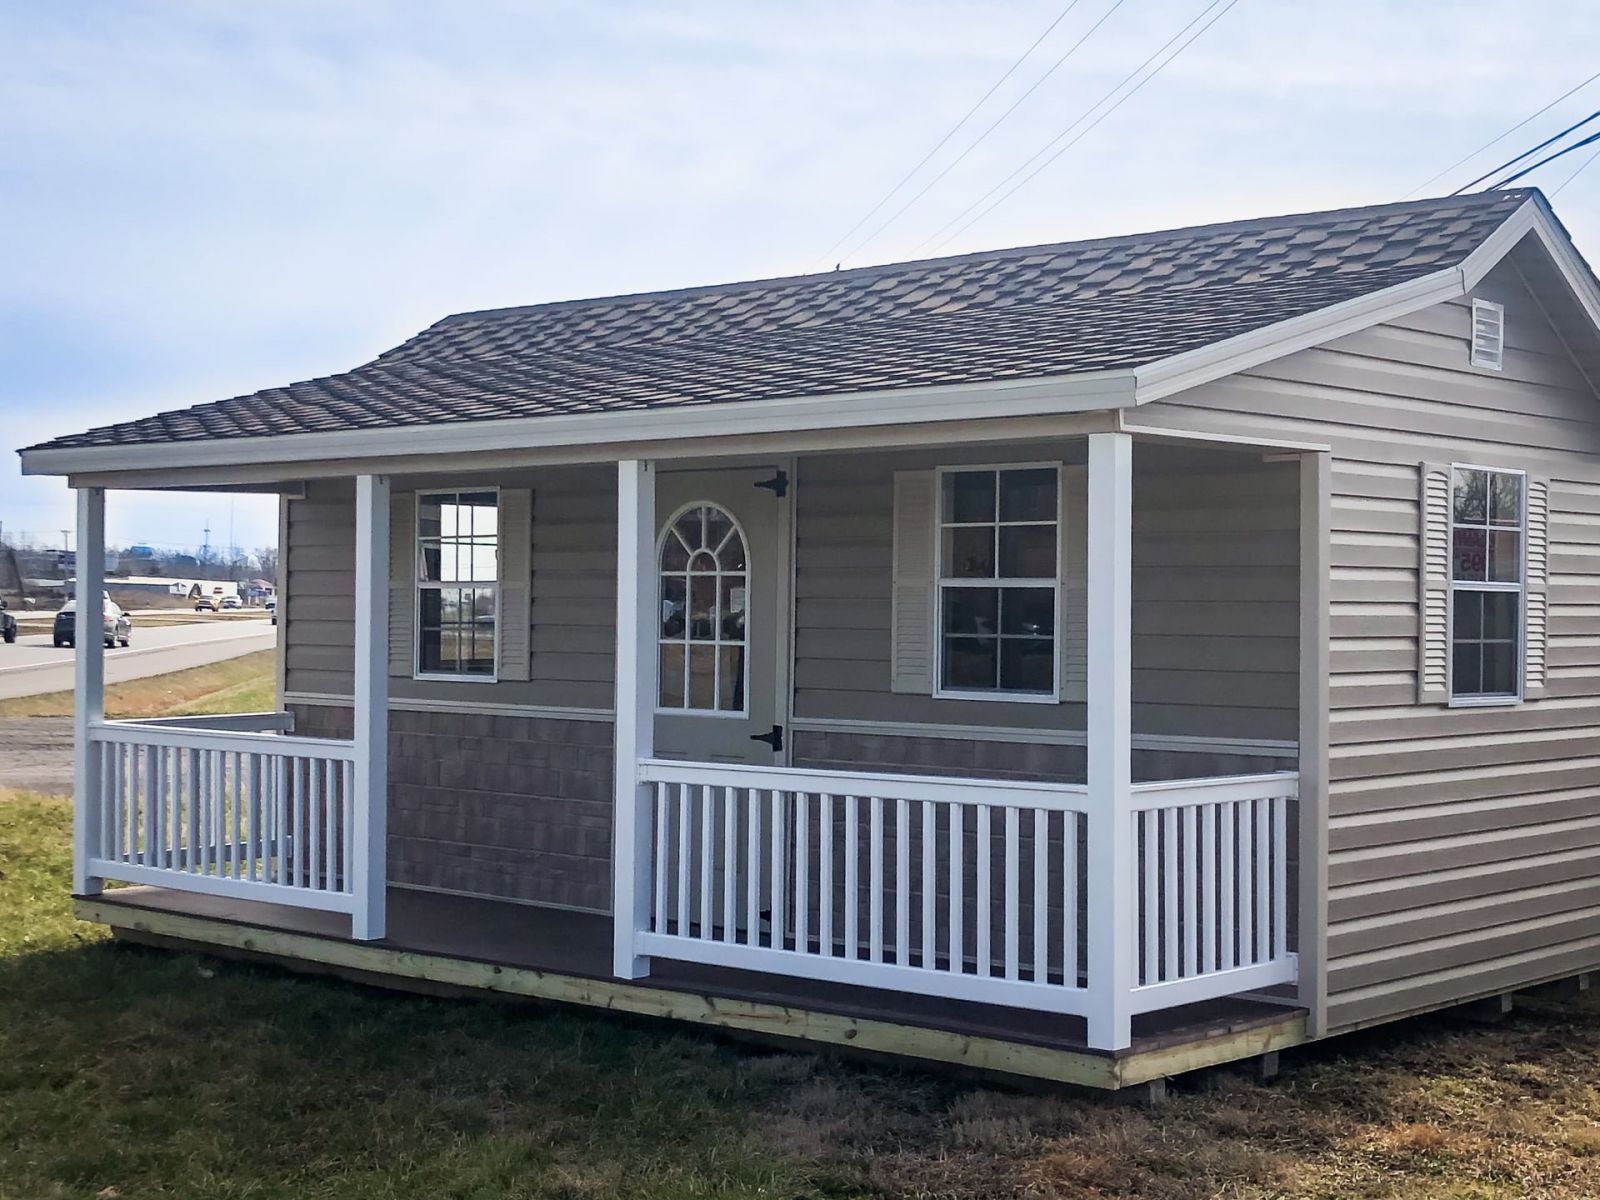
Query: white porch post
point(88, 687)
point(638, 625)
point(368, 857)
point(1111, 932)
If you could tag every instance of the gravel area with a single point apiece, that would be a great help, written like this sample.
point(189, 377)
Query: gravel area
point(36, 754)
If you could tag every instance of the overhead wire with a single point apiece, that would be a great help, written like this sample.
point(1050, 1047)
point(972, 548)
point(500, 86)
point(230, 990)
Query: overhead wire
point(1549, 158)
point(998, 121)
point(1216, 10)
point(951, 132)
point(1501, 137)
point(1511, 162)
point(1582, 167)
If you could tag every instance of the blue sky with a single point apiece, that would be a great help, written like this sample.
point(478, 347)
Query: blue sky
point(202, 199)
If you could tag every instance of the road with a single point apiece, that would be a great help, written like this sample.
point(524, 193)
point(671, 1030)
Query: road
point(33, 665)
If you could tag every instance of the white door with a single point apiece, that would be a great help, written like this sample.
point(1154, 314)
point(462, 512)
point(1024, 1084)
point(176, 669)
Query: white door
point(718, 573)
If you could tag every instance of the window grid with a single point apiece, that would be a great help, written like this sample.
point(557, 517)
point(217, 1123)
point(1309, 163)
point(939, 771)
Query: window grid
point(1007, 588)
point(703, 569)
point(1488, 570)
point(457, 548)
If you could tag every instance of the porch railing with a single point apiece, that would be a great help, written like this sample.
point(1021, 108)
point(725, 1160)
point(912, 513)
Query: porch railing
point(256, 815)
point(964, 889)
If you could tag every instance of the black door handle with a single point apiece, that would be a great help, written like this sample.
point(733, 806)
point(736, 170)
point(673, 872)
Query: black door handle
point(773, 739)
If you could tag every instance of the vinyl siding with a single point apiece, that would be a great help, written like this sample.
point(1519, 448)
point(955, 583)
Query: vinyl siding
point(1464, 844)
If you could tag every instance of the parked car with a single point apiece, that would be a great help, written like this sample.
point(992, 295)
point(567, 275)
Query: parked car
point(230, 603)
point(116, 624)
point(8, 625)
point(204, 605)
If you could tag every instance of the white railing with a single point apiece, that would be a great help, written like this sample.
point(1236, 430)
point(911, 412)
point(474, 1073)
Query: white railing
point(259, 816)
point(1212, 876)
point(955, 888)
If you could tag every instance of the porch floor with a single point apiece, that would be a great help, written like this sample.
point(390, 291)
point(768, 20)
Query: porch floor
point(437, 940)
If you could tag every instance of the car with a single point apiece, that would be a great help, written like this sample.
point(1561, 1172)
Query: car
point(8, 624)
point(204, 605)
point(231, 602)
point(117, 625)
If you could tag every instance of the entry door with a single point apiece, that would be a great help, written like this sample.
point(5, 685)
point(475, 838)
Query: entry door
point(718, 565)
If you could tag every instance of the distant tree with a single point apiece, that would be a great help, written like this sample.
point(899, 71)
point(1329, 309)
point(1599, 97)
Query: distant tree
point(267, 562)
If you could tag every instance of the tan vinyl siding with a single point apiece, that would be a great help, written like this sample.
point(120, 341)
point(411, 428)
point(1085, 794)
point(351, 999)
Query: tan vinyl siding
point(1464, 844)
point(573, 593)
point(1216, 580)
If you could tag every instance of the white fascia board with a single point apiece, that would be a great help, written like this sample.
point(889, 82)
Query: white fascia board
point(1087, 392)
point(1180, 372)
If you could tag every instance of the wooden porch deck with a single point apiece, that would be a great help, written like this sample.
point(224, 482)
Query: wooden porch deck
point(456, 942)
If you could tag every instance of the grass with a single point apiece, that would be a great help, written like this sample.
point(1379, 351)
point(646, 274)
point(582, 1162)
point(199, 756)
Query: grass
point(244, 684)
point(131, 1073)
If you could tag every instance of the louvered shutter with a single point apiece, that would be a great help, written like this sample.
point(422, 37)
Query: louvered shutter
point(1073, 620)
point(402, 582)
point(516, 553)
point(912, 630)
point(1433, 617)
point(1536, 589)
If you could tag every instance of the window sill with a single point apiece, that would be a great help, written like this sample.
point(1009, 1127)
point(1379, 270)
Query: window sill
point(1485, 701)
point(1001, 697)
point(454, 678)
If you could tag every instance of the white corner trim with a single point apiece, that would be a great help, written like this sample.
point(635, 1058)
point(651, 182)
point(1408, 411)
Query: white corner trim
point(1048, 396)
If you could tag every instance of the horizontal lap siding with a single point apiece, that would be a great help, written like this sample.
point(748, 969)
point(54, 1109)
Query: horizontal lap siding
point(1464, 844)
point(319, 592)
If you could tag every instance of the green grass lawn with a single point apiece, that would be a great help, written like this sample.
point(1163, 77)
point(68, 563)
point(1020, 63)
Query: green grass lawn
point(235, 685)
point(127, 1072)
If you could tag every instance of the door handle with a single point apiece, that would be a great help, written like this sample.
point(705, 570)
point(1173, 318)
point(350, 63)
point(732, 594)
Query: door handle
point(773, 739)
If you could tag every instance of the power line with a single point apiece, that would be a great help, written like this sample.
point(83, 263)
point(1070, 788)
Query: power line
point(1503, 136)
point(1015, 104)
point(952, 131)
point(1549, 158)
point(1531, 150)
point(1215, 12)
point(1582, 167)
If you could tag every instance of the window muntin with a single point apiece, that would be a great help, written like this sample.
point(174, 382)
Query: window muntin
point(704, 572)
point(458, 560)
point(1487, 513)
point(999, 581)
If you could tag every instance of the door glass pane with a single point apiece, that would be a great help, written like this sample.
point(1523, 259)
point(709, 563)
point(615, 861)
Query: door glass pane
point(702, 675)
point(702, 607)
point(672, 674)
point(731, 608)
point(730, 678)
point(674, 599)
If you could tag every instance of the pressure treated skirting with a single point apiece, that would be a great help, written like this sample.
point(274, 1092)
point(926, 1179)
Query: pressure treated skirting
point(985, 1054)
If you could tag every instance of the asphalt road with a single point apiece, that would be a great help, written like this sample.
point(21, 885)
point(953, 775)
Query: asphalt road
point(32, 665)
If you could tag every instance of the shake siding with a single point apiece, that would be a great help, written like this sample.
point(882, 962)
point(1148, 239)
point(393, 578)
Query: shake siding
point(1464, 844)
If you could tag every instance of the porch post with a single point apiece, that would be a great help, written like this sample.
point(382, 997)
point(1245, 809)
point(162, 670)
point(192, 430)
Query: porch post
point(368, 857)
point(638, 625)
point(89, 679)
point(1111, 931)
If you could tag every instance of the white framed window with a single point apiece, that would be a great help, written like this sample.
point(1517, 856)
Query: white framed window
point(704, 570)
point(458, 585)
point(1488, 575)
point(998, 594)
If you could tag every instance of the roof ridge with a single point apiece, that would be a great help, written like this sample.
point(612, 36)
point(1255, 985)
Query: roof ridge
point(1007, 252)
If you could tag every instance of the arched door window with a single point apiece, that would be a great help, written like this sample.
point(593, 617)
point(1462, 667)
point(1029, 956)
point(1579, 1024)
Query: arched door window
point(704, 589)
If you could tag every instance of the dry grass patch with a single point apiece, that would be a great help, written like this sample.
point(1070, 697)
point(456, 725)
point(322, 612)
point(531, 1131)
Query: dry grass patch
point(237, 685)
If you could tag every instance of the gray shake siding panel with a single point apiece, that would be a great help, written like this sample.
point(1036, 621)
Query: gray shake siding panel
point(1216, 578)
point(1464, 844)
point(517, 808)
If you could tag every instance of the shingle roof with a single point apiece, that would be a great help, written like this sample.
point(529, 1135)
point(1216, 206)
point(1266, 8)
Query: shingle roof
point(1003, 315)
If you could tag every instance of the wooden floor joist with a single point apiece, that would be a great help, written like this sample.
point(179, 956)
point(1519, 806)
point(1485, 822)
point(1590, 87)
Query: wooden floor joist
point(409, 970)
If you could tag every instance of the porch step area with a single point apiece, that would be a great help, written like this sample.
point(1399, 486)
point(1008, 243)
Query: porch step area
point(471, 943)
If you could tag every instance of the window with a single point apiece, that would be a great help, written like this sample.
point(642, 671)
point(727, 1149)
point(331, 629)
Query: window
point(1486, 583)
point(457, 583)
point(704, 590)
point(999, 581)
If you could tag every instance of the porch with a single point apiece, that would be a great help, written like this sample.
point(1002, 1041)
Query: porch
point(1091, 912)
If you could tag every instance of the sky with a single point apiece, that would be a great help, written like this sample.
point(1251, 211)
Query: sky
point(201, 199)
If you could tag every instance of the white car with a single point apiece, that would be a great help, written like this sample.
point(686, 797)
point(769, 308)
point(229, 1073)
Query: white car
point(229, 602)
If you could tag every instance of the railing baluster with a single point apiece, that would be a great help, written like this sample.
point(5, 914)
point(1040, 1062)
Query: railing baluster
point(660, 871)
point(825, 874)
point(1189, 879)
point(930, 885)
point(730, 864)
point(1169, 871)
point(1280, 876)
point(1150, 915)
point(684, 823)
point(348, 883)
point(708, 889)
point(902, 881)
point(752, 919)
point(1209, 899)
point(152, 807)
point(1228, 881)
point(107, 803)
point(191, 787)
point(302, 833)
point(852, 878)
point(958, 870)
point(1069, 899)
point(802, 873)
point(1041, 896)
point(1247, 883)
point(1013, 886)
point(282, 773)
point(330, 841)
point(875, 882)
point(984, 849)
point(1263, 885)
point(775, 899)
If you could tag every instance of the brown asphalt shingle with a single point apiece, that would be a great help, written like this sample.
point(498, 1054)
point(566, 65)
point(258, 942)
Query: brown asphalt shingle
point(1003, 315)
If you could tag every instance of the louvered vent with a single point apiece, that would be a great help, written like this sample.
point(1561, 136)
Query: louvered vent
point(1488, 334)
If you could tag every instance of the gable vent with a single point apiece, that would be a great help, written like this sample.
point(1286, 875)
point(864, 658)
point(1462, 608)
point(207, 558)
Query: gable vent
point(1488, 334)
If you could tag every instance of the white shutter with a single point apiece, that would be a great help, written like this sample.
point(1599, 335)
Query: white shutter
point(912, 629)
point(1536, 589)
point(516, 554)
point(1072, 632)
point(1433, 616)
point(402, 582)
